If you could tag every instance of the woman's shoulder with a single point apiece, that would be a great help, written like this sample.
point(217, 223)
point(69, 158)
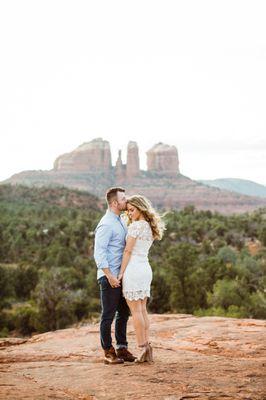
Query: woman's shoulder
point(138, 228)
point(134, 225)
point(139, 223)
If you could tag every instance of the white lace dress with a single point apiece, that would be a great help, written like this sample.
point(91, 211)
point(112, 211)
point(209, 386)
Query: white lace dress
point(137, 277)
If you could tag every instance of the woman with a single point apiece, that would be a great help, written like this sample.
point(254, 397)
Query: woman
point(145, 225)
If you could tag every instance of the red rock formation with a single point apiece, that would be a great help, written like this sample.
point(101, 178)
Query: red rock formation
point(89, 157)
point(119, 169)
point(132, 166)
point(163, 158)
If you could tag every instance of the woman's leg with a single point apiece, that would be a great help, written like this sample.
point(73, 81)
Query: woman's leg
point(147, 329)
point(146, 318)
point(138, 320)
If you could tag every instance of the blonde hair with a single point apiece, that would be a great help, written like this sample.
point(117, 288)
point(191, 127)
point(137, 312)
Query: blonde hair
point(151, 216)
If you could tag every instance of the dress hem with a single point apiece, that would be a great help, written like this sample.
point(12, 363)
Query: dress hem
point(136, 295)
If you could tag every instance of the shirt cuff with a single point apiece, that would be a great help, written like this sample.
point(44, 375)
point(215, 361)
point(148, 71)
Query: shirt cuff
point(102, 265)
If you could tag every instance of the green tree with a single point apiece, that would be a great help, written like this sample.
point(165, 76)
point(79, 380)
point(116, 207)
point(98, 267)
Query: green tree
point(227, 255)
point(160, 291)
point(226, 293)
point(257, 305)
point(181, 259)
point(54, 299)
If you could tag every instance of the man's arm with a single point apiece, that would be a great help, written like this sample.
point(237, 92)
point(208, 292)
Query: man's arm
point(103, 235)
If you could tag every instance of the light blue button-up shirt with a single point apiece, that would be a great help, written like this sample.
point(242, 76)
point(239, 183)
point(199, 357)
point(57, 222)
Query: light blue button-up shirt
point(109, 244)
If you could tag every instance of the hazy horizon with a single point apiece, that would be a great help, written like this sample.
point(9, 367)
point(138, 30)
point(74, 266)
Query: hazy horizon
point(189, 74)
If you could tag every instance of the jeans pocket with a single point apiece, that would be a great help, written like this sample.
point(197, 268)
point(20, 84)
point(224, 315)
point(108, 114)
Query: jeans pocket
point(104, 283)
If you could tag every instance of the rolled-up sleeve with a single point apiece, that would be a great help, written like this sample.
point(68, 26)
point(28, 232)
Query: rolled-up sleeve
point(103, 235)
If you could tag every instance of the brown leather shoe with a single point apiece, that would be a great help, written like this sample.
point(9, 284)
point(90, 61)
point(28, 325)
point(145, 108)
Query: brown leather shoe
point(125, 354)
point(110, 357)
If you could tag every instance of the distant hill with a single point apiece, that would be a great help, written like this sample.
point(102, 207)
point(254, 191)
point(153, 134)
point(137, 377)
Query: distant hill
point(56, 196)
point(165, 192)
point(242, 186)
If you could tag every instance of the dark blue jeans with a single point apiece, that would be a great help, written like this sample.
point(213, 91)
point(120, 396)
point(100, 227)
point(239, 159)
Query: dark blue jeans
point(113, 302)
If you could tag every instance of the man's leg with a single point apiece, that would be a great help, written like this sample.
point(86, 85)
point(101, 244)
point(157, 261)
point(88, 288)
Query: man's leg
point(121, 331)
point(122, 316)
point(109, 301)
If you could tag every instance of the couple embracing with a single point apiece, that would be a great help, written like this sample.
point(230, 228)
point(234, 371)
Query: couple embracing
point(124, 273)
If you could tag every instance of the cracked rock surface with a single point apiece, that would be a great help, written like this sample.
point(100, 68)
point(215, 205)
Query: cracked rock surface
point(195, 358)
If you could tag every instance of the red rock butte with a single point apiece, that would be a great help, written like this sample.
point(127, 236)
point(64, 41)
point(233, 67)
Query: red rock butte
point(93, 156)
point(164, 159)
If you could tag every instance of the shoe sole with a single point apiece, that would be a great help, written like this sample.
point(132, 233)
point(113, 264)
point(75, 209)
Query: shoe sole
point(113, 363)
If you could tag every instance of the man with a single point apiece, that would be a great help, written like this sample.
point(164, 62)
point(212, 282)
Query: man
point(110, 236)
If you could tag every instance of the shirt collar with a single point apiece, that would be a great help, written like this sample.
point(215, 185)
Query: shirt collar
point(112, 214)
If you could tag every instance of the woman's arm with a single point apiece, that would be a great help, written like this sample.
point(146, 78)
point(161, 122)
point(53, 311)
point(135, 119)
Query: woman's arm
point(126, 255)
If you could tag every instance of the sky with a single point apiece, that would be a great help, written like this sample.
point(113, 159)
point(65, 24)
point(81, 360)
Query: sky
point(188, 73)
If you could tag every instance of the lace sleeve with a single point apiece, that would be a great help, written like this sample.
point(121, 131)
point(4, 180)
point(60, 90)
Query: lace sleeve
point(134, 229)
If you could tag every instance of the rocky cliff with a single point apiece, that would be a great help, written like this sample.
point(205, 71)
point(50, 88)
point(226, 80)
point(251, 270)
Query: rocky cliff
point(132, 166)
point(163, 159)
point(89, 157)
point(89, 168)
point(203, 358)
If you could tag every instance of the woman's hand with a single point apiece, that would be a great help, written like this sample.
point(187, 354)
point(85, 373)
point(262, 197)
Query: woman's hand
point(120, 276)
point(114, 282)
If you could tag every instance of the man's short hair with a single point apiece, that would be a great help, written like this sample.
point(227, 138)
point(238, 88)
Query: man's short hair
point(111, 194)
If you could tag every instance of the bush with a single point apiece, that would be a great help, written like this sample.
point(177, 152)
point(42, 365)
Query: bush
point(257, 305)
point(22, 318)
point(232, 312)
point(55, 300)
point(227, 255)
point(226, 293)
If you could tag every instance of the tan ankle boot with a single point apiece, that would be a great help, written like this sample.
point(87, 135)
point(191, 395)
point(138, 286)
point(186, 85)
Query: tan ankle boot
point(143, 355)
point(150, 353)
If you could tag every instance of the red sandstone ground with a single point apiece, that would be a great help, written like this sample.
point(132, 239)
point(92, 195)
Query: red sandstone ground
point(195, 358)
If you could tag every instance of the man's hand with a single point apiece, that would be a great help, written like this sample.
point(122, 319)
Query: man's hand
point(114, 282)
